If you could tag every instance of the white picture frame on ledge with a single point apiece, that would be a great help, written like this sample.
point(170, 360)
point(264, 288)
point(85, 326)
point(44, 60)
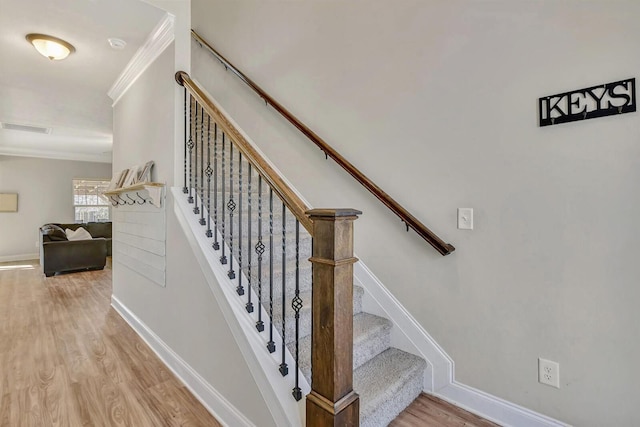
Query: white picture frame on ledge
point(144, 174)
point(131, 178)
point(122, 176)
point(113, 184)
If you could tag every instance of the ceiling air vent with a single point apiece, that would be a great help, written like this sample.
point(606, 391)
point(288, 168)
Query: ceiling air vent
point(26, 128)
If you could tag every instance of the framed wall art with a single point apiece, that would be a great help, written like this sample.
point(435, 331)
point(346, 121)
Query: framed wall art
point(8, 202)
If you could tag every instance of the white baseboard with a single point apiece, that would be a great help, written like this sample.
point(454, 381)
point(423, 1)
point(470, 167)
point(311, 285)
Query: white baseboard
point(225, 412)
point(410, 336)
point(495, 409)
point(19, 257)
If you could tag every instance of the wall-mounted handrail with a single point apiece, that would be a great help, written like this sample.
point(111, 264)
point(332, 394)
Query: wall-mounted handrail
point(406, 217)
point(280, 187)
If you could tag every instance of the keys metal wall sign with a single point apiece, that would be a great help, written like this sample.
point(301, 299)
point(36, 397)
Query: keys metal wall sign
point(597, 101)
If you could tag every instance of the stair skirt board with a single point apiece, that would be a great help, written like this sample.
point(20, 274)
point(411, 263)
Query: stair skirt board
point(216, 404)
point(274, 388)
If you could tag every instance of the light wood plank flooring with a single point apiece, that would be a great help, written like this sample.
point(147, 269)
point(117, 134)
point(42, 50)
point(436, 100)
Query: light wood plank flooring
point(429, 411)
point(68, 359)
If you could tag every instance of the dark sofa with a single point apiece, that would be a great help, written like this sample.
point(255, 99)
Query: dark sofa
point(57, 254)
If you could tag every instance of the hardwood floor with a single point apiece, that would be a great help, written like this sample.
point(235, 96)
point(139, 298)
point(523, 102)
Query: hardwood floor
point(429, 411)
point(68, 359)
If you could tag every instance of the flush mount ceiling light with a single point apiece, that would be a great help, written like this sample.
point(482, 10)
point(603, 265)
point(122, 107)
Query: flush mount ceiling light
point(51, 47)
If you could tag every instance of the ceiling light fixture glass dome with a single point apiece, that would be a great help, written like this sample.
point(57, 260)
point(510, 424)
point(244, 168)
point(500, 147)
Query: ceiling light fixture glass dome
point(50, 47)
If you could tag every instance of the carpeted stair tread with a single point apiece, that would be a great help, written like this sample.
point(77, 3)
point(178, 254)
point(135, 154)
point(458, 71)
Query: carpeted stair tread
point(371, 336)
point(387, 384)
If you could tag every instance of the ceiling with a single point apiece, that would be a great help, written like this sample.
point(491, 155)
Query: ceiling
point(68, 96)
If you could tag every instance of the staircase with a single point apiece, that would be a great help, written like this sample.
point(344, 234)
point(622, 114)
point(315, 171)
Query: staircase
point(274, 247)
point(387, 379)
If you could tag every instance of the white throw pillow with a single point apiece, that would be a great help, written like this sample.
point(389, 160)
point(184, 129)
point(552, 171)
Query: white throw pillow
point(79, 234)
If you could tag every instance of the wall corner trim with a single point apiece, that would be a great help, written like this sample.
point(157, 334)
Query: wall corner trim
point(158, 40)
point(215, 402)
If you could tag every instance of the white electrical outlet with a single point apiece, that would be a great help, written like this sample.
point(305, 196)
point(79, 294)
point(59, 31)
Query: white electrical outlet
point(548, 372)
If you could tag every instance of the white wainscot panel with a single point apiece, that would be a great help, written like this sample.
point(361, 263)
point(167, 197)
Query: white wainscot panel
point(139, 240)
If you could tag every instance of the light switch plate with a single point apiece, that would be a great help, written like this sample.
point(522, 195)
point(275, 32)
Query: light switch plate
point(465, 218)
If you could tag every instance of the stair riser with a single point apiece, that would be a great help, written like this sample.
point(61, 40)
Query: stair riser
point(363, 350)
point(305, 315)
point(388, 411)
point(290, 222)
point(304, 244)
point(304, 283)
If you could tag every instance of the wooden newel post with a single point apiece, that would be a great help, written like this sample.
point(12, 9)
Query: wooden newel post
point(332, 401)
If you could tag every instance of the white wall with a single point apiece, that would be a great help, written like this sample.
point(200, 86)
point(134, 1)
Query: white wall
point(183, 314)
point(45, 194)
point(436, 101)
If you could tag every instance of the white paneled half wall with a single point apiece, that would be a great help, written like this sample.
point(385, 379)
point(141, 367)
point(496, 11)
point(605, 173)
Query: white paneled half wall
point(139, 240)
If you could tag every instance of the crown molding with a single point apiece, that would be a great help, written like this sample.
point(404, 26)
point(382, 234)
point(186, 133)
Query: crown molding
point(158, 40)
point(55, 155)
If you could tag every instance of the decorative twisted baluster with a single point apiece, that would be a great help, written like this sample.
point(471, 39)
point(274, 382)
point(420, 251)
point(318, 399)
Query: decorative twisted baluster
point(196, 209)
point(240, 289)
point(231, 205)
point(202, 220)
point(284, 369)
point(223, 258)
point(185, 190)
point(259, 251)
point(215, 244)
point(209, 172)
point(271, 346)
point(296, 304)
point(190, 144)
point(249, 305)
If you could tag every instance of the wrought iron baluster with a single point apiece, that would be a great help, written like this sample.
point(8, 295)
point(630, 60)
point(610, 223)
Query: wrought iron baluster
point(249, 305)
point(223, 258)
point(202, 220)
point(284, 369)
point(296, 304)
point(240, 289)
point(271, 346)
point(209, 172)
point(231, 205)
point(190, 145)
point(185, 190)
point(196, 209)
point(259, 251)
point(215, 244)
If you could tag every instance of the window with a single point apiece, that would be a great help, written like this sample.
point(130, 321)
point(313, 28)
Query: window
point(89, 204)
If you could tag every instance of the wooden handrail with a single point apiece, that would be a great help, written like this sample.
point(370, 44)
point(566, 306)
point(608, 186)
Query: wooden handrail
point(406, 217)
point(275, 181)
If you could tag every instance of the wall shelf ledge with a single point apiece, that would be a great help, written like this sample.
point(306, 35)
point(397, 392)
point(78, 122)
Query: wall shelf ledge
point(122, 196)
